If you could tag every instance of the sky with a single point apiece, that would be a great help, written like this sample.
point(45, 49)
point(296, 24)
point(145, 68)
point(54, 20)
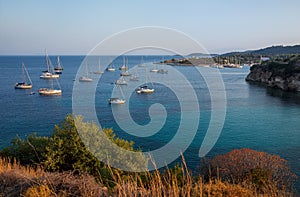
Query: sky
point(75, 27)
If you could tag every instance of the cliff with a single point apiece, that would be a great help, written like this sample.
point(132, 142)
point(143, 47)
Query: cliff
point(283, 75)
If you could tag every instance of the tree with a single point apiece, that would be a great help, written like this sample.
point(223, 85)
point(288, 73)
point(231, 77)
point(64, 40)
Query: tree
point(29, 151)
point(260, 168)
point(69, 149)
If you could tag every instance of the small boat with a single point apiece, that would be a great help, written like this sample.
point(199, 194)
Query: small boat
point(163, 70)
point(145, 88)
point(86, 77)
point(123, 67)
point(48, 74)
point(125, 74)
point(116, 101)
point(24, 84)
point(134, 78)
point(51, 91)
point(110, 68)
point(121, 81)
point(99, 71)
point(154, 70)
point(59, 68)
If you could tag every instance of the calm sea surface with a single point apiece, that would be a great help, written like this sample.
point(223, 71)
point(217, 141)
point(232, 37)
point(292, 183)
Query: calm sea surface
point(256, 118)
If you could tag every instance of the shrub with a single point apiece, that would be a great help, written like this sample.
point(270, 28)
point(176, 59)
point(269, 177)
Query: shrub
point(66, 150)
point(28, 151)
point(259, 168)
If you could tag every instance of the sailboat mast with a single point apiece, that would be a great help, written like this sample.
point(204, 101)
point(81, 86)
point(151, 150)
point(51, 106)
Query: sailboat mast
point(58, 62)
point(23, 72)
point(26, 74)
point(86, 69)
point(99, 64)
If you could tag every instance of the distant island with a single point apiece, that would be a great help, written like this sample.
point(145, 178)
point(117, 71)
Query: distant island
point(282, 74)
point(235, 59)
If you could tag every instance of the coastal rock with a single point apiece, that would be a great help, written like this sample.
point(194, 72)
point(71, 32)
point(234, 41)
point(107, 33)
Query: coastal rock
point(285, 76)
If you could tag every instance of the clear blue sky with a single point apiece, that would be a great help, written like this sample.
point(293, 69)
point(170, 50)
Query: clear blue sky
point(75, 27)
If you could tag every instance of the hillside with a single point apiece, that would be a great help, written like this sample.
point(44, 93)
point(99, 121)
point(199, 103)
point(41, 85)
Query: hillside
point(283, 75)
point(273, 50)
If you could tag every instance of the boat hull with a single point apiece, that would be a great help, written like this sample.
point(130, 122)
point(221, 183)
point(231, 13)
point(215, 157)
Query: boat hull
point(116, 101)
point(23, 86)
point(49, 76)
point(84, 79)
point(49, 92)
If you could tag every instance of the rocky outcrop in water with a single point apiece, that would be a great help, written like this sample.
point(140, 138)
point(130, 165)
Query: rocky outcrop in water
point(282, 75)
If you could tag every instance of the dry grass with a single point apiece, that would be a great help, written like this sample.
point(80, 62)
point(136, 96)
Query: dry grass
point(17, 180)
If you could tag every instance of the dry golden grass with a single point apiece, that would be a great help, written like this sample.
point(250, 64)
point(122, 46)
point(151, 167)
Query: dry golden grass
point(17, 180)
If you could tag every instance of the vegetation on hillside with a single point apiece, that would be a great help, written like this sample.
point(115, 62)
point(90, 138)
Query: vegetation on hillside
point(281, 67)
point(60, 165)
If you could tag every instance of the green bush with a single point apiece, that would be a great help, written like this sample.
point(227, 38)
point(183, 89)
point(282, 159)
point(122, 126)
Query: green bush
point(29, 151)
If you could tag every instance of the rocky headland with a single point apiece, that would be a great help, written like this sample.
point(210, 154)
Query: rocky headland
point(284, 75)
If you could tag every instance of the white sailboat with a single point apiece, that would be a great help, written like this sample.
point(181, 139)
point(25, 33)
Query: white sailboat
point(123, 67)
point(48, 74)
point(145, 89)
point(121, 81)
point(110, 68)
point(163, 70)
point(135, 76)
point(86, 77)
point(117, 100)
point(59, 68)
point(99, 69)
point(154, 69)
point(126, 72)
point(51, 91)
point(24, 84)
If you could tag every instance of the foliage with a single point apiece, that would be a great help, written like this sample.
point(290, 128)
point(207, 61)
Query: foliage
point(259, 168)
point(66, 150)
point(28, 151)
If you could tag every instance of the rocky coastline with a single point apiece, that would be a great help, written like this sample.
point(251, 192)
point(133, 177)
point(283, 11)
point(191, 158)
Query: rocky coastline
point(282, 75)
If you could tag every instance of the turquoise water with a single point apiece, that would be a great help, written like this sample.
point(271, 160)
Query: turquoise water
point(256, 117)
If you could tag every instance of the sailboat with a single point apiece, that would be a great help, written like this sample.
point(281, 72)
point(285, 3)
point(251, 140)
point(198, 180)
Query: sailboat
point(123, 67)
point(145, 89)
point(121, 81)
point(51, 91)
point(135, 76)
point(99, 71)
point(24, 84)
point(154, 69)
point(117, 100)
point(163, 70)
point(110, 68)
point(59, 68)
point(86, 77)
point(48, 74)
point(125, 73)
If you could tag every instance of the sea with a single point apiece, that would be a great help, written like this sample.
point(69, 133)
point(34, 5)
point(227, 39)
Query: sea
point(256, 117)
